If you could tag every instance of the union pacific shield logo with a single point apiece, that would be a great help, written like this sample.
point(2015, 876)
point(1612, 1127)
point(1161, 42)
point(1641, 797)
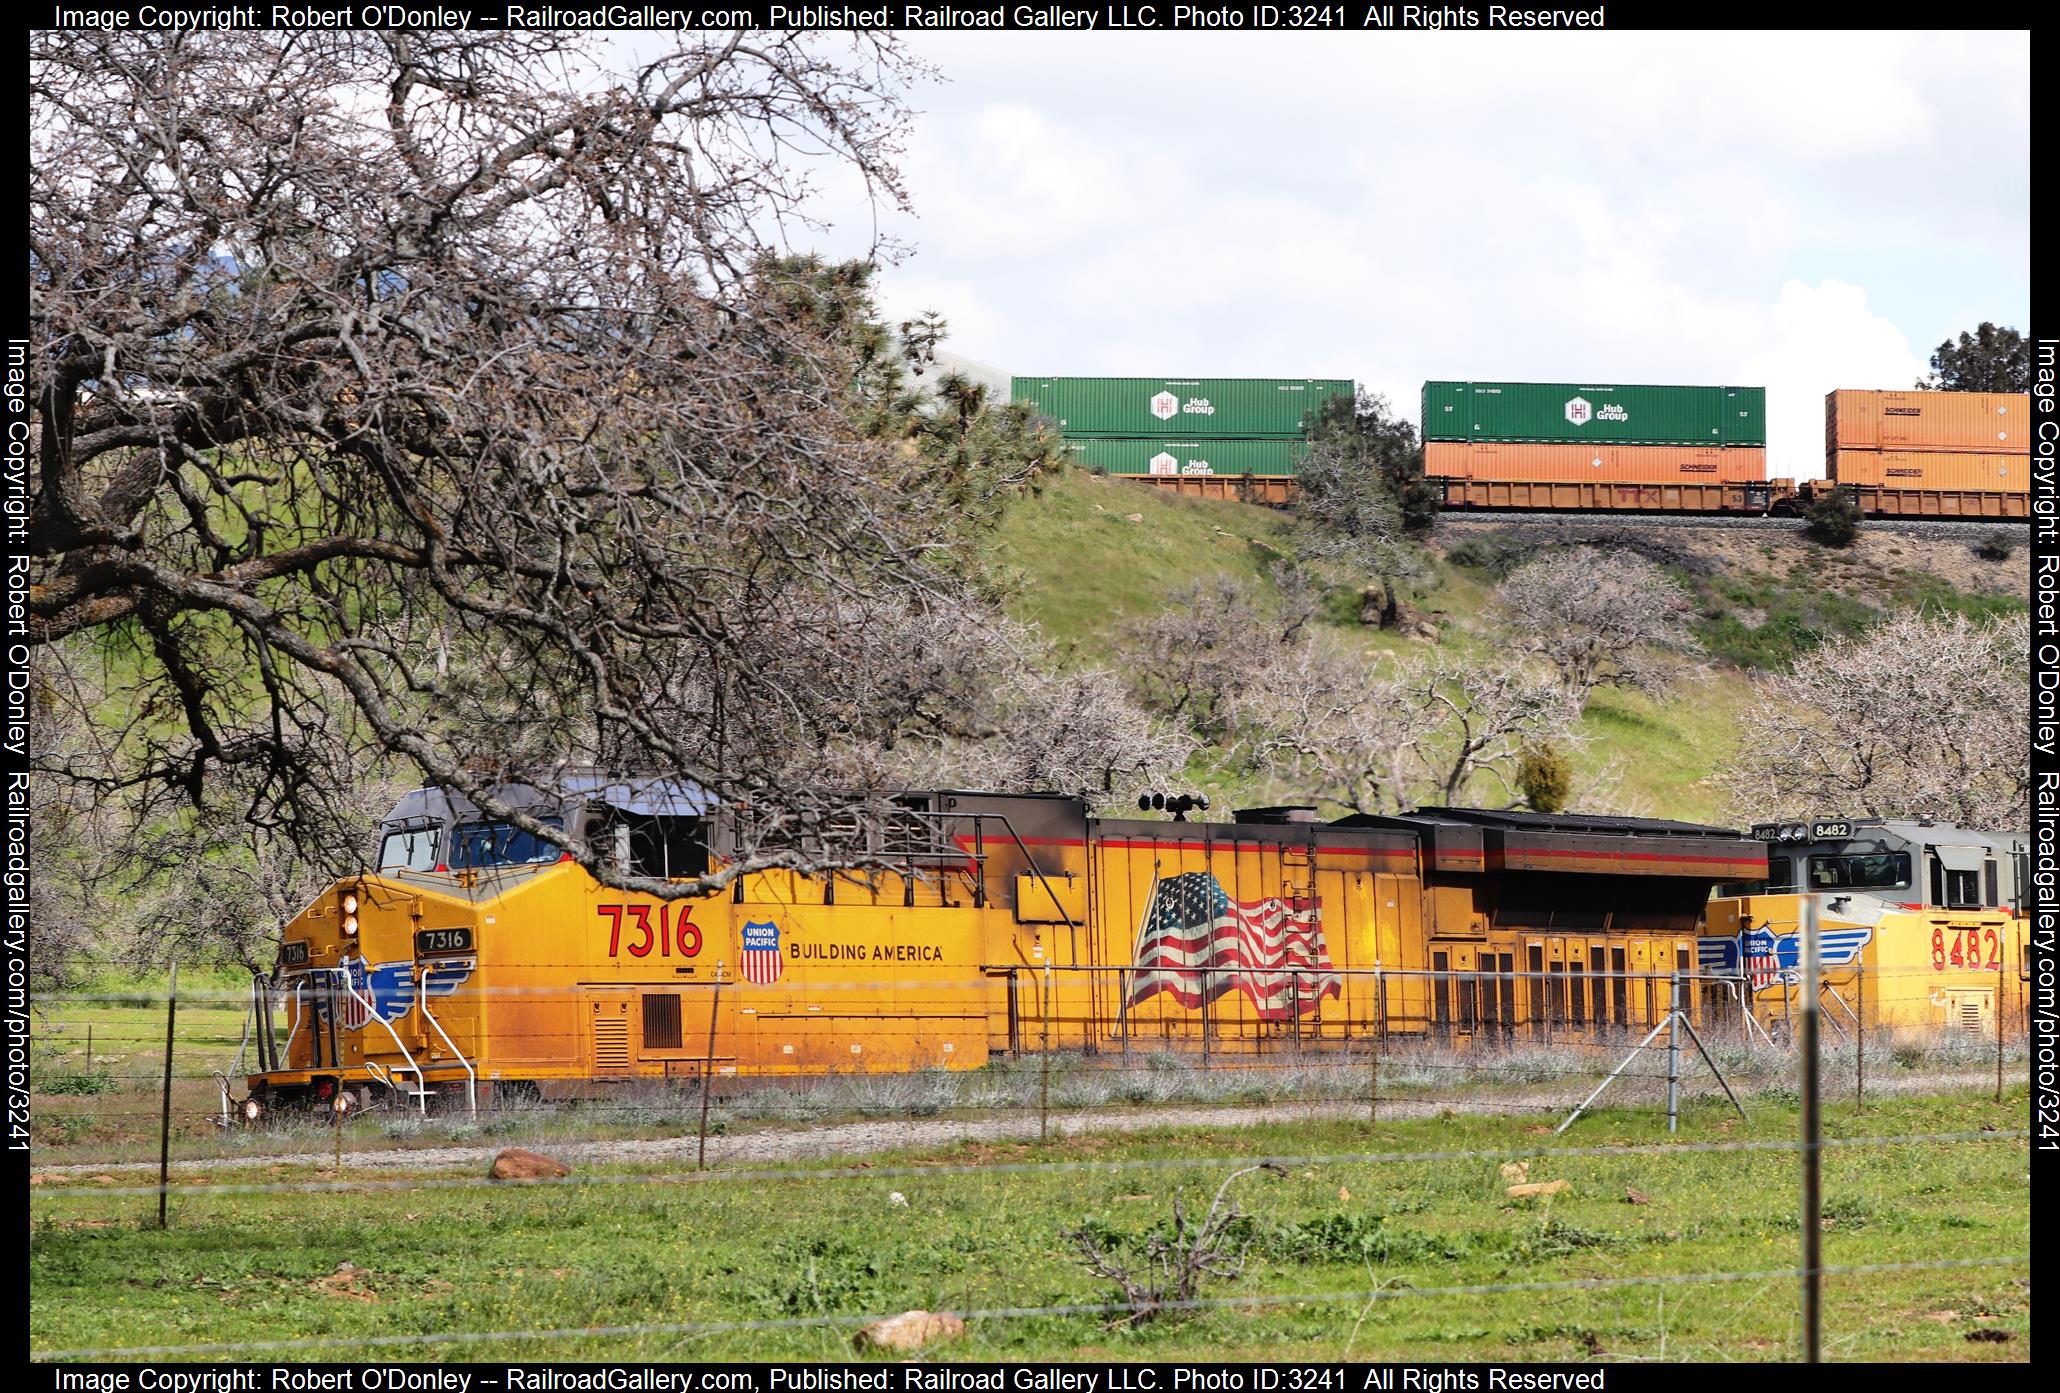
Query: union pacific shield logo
point(760, 960)
point(1764, 957)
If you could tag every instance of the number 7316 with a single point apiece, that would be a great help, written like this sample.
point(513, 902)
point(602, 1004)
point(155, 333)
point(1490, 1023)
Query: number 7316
point(672, 933)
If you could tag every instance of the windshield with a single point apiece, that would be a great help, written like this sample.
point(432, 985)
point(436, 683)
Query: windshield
point(1873, 870)
point(410, 849)
point(498, 844)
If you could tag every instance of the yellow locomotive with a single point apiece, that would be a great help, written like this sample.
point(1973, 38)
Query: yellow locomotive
point(475, 960)
point(1922, 924)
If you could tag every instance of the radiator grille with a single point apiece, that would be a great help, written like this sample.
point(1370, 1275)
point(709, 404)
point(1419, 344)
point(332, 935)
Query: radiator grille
point(611, 1042)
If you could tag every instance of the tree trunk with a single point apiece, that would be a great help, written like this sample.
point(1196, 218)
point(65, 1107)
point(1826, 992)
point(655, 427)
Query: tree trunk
point(1380, 605)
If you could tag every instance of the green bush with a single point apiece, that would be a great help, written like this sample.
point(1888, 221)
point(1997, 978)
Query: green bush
point(1545, 777)
point(1496, 554)
point(79, 1083)
point(1833, 518)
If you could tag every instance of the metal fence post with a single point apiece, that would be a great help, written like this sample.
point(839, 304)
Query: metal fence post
point(1044, 1073)
point(164, 1134)
point(1812, 1175)
point(1999, 1024)
point(1674, 1055)
point(1373, 1077)
point(1860, 1034)
point(708, 1074)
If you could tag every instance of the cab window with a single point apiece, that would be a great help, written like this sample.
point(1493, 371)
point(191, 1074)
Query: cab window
point(480, 844)
point(1780, 880)
point(1876, 870)
point(1951, 889)
point(410, 848)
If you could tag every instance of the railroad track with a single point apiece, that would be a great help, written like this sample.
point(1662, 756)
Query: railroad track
point(1921, 526)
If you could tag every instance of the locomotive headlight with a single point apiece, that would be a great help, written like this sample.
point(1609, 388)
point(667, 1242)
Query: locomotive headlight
point(350, 923)
point(252, 1109)
point(350, 904)
point(341, 1102)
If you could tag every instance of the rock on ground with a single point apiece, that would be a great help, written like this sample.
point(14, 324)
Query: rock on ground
point(517, 1164)
point(910, 1330)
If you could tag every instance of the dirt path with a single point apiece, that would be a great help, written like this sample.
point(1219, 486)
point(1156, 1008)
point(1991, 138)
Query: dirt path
point(895, 1134)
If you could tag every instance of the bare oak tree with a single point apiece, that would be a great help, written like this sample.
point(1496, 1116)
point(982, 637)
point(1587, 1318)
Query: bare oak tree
point(1195, 657)
point(442, 399)
point(1327, 725)
point(1333, 726)
point(1924, 717)
point(1475, 717)
point(1599, 618)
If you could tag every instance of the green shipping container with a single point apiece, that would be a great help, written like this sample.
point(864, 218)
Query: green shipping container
point(1182, 407)
point(1208, 458)
point(1619, 415)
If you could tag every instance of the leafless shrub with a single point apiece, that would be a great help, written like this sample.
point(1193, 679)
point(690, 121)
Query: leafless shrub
point(1193, 659)
point(1924, 717)
point(1173, 1266)
point(1376, 738)
point(1599, 618)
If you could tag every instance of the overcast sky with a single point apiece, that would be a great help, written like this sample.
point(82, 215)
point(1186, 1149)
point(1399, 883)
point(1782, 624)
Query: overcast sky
point(1798, 211)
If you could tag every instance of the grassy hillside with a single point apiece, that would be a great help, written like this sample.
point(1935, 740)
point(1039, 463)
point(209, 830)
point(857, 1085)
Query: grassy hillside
point(1080, 565)
point(1088, 553)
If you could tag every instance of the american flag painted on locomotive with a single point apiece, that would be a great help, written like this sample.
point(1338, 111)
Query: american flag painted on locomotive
point(760, 959)
point(1196, 943)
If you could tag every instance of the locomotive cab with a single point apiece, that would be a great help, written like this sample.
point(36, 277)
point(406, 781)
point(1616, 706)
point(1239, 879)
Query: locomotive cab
point(1921, 924)
point(377, 991)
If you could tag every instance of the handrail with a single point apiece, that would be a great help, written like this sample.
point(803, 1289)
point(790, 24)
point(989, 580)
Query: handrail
point(372, 1012)
point(1038, 871)
point(471, 1074)
point(293, 1029)
point(1842, 1003)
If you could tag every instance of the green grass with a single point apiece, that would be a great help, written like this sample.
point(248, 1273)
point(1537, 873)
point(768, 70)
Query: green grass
point(1922, 590)
point(111, 1094)
point(1666, 750)
point(816, 1249)
point(1081, 567)
point(1753, 622)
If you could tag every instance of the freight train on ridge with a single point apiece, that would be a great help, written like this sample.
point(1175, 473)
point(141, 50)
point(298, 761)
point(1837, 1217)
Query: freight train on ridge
point(477, 962)
point(1563, 447)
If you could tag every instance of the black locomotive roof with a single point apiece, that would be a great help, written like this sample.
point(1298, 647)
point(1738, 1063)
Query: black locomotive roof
point(1547, 822)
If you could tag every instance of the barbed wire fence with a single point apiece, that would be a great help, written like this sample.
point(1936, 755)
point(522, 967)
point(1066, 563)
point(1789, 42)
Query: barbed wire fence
point(1428, 1058)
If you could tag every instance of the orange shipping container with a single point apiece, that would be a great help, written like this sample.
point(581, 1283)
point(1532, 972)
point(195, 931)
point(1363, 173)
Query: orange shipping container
point(1604, 464)
point(1932, 469)
point(1996, 423)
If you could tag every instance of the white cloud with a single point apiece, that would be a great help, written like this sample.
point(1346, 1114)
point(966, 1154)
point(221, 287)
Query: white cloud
point(1792, 210)
point(1821, 338)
